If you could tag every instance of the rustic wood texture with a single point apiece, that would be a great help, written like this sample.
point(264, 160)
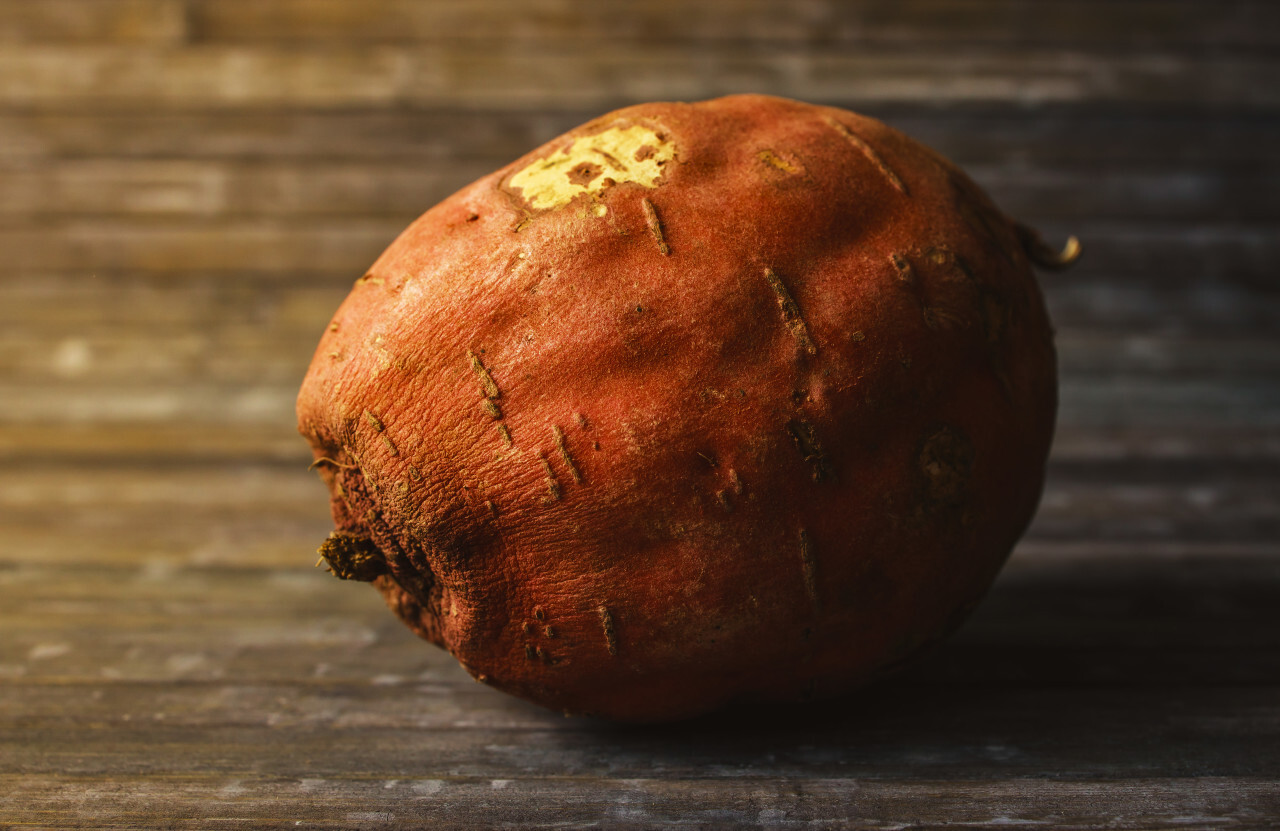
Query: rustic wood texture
point(187, 190)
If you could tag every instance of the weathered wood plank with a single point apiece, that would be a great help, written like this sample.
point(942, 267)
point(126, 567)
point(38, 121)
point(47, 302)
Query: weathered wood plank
point(532, 77)
point(210, 189)
point(88, 21)
point(296, 134)
point(407, 797)
point(1238, 300)
point(323, 246)
point(897, 732)
point(1129, 24)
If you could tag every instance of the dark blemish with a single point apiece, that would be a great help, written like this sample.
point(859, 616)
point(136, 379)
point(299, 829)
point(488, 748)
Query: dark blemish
point(584, 173)
point(809, 570)
point(528, 652)
point(806, 441)
point(946, 461)
point(391, 447)
point(902, 267)
point(540, 613)
point(995, 315)
point(506, 435)
point(491, 407)
point(472, 217)
point(549, 631)
point(611, 159)
point(527, 628)
point(646, 151)
point(374, 421)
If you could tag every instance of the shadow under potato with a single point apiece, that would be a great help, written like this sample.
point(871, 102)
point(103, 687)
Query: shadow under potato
point(1071, 667)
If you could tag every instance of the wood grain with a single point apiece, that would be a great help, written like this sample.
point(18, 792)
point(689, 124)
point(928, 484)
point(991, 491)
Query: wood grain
point(103, 77)
point(1186, 23)
point(188, 189)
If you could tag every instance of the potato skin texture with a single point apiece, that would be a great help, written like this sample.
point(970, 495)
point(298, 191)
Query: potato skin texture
point(763, 425)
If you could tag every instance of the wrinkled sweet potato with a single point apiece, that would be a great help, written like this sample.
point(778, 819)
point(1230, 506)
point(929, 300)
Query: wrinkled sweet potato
point(743, 398)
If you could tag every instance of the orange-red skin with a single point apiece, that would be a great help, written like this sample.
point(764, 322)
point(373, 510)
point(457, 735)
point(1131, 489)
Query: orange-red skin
point(742, 506)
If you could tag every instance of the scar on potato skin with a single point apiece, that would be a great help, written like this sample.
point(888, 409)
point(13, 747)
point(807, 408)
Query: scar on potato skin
point(872, 156)
point(553, 485)
point(946, 461)
point(655, 226)
point(806, 441)
point(808, 568)
point(634, 153)
point(607, 625)
point(564, 453)
point(777, 162)
point(790, 313)
point(902, 266)
point(487, 383)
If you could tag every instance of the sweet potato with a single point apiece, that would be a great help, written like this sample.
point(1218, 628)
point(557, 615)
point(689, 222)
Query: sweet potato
point(740, 399)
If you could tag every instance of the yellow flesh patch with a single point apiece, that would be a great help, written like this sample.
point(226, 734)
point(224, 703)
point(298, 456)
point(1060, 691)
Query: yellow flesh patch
point(593, 163)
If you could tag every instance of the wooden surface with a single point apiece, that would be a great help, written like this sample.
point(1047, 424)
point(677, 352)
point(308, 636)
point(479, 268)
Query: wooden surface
point(187, 190)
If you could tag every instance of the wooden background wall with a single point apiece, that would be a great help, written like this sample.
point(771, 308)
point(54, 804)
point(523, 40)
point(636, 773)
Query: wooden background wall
point(188, 189)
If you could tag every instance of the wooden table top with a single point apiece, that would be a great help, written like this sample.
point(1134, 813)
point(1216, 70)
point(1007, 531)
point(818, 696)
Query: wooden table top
point(187, 190)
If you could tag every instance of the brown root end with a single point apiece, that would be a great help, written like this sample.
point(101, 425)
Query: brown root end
point(353, 558)
point(1042, 255)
